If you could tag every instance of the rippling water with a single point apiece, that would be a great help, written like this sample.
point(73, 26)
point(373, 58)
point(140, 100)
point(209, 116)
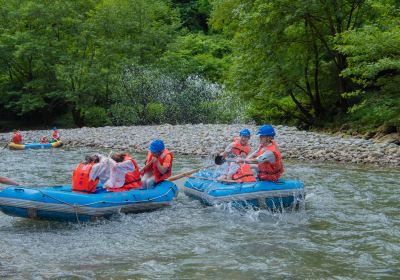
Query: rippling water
point(349, 228)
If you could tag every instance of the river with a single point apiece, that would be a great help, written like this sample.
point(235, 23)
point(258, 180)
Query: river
point(348, 228)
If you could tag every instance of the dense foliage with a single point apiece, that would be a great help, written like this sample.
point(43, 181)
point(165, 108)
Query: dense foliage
point(312, 63)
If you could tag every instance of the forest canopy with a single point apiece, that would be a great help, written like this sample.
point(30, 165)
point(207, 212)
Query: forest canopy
point(310, 63)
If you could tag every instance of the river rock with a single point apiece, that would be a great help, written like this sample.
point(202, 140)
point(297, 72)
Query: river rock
point(209, 139)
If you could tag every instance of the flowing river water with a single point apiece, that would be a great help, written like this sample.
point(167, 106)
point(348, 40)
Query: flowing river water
point(348, 228)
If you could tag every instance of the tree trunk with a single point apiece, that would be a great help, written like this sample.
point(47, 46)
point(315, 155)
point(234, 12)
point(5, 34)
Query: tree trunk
point(77, 117)
point(342, 86)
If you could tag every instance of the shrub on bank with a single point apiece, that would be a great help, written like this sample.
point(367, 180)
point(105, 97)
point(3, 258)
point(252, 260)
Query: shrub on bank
point(95, 117)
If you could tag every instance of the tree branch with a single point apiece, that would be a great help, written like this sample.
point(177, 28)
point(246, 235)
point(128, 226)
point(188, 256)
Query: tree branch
point(301, 108)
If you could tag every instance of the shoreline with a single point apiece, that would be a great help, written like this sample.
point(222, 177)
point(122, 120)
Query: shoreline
point(208, 139)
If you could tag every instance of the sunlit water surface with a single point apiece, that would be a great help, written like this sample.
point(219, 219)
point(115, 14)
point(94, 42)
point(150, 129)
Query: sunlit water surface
point(348, 228)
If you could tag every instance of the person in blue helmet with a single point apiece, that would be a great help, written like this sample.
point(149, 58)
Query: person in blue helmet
point(240, 148)
point(55, 135)
point(158, 164)
point(267, 160)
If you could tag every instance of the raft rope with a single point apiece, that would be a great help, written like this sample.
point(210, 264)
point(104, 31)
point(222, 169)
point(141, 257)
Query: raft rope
point(77, 206)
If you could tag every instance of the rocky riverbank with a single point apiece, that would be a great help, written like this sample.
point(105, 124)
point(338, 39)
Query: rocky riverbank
point(206, 139)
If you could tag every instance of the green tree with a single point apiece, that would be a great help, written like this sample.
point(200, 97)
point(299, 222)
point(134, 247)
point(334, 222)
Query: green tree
point(194, 14)
point(373, 53)
point(117, 33)
point(198, 54)
point(34, 35)
point(285, 58)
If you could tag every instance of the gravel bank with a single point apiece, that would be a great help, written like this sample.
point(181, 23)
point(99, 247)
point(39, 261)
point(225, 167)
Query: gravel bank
point(206, 139)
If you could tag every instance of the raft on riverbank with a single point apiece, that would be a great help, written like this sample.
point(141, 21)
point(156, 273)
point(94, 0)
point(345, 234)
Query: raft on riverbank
point(260, 194)
point(13, 146)
point(61, 203)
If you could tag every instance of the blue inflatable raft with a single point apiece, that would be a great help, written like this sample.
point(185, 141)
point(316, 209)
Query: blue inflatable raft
point(260, 194)
point(60, 203)
point(13, 146)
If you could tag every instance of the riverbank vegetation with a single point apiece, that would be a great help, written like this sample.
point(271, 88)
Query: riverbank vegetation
point(313, 64)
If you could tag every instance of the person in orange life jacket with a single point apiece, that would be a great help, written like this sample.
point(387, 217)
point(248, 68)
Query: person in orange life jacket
point(124, 175)
point(84, 177)
point(240, 146)
point(55, 136)
point(240, 172)
point(267, 160)
point(44, 140)
point(17, 137)
point(158, 164)
point(8, 181)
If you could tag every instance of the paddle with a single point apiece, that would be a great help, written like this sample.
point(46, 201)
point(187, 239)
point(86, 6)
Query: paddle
point(213, 179)
point(5, 146)
point(145, 167)
point(187, 173)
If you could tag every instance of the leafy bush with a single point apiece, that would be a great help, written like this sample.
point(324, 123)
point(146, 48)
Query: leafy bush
point(123, 115)
point(374, 111)
point(155, 113)
point(172, 99)
point(95, 117)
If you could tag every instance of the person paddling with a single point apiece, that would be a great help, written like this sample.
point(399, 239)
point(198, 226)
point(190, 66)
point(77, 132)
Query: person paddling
point(17, 137)
point(124, 175)
point(55, 135)
point(158, 164)
point(240, 145)
point(240, 172)
point(7, 181)
point(267, 160)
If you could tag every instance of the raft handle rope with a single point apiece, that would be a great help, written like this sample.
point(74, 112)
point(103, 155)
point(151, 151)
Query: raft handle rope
point(77, 206)
point(104, 201)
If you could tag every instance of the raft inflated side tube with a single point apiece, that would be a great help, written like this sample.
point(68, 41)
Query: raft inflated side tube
point(261, 194)
point(13, 146)
point(62, 204)
point(57, 144)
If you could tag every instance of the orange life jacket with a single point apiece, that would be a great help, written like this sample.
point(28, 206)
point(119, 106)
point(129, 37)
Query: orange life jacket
point(55, 135)
point(157, 175)
point(266, 170)
point(238, 148)
point(17, 138)
point(244, 174)
point(132, 179)
point(81, 181)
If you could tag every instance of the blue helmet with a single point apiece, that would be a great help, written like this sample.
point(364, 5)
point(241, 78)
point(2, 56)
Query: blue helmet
point(244, 132)
point(54, 128)
point(157, 146)
point(266, 130)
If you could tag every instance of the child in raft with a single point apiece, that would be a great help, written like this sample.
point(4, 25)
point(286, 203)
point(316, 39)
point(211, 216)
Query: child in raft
point(124, 173)
point(239, 148)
